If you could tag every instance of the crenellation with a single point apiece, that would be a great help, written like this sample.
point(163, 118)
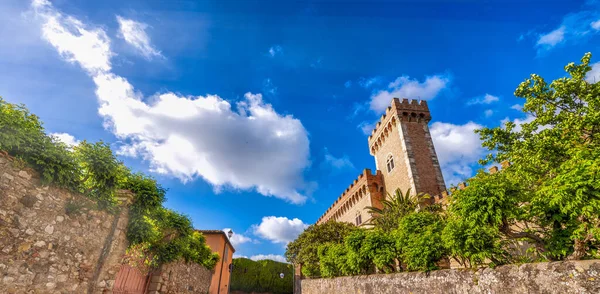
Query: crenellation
point(402, 136)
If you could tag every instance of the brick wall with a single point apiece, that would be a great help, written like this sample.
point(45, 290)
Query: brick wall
point(576, 277)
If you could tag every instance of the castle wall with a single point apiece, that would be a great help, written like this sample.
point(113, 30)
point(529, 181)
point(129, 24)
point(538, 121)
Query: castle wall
point(427, 175)
point(363, 192)
point(401, 176)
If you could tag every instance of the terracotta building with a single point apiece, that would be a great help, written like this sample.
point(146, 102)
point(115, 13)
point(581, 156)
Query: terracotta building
point(218, 241)
point(404, 158)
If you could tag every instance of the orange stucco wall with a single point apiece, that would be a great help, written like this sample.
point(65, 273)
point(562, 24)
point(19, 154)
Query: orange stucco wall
point(218, 243)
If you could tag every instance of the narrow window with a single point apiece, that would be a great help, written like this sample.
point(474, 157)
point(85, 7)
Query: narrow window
point(390, 163)
point(358, 220)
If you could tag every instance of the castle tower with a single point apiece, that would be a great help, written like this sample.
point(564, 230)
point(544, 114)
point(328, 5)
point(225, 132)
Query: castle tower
point(403, 149)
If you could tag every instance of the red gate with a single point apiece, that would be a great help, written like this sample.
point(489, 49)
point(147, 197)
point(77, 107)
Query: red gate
point(130, 280)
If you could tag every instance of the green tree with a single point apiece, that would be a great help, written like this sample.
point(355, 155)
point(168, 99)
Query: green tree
point(262, 276)
point(555, 157)
point(22, 135)
point(419, 240)
point(394, 208)
point(304, 250)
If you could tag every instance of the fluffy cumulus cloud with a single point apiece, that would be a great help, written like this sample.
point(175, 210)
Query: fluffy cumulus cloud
point(274, 257)
point(250, 146)
point(134, 33)
point(458, 148)
point(486, 99)
point(279, 229)
point(68, 139)
point(238, 239)
point(76, 44)
point(405, 87)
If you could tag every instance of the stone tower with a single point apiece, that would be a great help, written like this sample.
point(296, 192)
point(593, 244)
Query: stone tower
point(403, 149)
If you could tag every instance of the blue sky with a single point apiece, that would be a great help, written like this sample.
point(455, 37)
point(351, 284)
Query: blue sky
point(253, 113)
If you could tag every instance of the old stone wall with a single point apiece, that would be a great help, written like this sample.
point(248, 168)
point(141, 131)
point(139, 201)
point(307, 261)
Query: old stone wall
point(577, 277)
point(180, 277)
point(51, 240)
point(55, 241)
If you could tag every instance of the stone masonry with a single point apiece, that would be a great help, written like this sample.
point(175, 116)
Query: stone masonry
point(405, 158)
point(180, 277)
point(45, 249)
point(574, 277)
point(54, 241)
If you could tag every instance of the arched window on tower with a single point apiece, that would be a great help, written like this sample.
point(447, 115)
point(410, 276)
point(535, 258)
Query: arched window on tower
point(390, 163)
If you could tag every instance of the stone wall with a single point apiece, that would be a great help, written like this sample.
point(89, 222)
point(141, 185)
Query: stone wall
point(577, 277)
point(54, 241)
point(51, 241)
point(180, 277)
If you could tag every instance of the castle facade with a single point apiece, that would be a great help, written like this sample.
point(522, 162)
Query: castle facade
point(405, 158)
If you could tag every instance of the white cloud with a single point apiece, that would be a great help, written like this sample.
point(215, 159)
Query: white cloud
point(457, 147)
point(574, 26)
point(348, 84)
point(134, 33)
point(274, 257)
point(338, 163)
point(488, 113)
point(366, 128)
point(275, 50)
point(279, 229)
point(237, 239)
point(486, 99)
point(552, 38)
point(517, 107)
point(251, 147)
point(593, 76)
point(519, 121)
point(88, 47)
point(367, 83)
point(68, 139)
point(405, 87)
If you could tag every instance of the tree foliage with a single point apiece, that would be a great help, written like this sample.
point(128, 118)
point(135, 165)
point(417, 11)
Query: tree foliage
point(555, 160)
point(262, 276)
point(394, 208)
point(419, 241)
point(93, 170)
point(304, 250)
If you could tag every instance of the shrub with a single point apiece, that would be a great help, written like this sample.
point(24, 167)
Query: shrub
point(419, 241)
point(261, 276)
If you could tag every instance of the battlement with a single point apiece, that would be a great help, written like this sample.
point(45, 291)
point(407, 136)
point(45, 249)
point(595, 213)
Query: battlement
point(403, 110)
point(443, 197)
point(358, 189)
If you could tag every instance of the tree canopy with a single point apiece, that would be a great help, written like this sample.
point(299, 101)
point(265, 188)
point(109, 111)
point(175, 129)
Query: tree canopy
point(262, 276)
point(543, 205)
